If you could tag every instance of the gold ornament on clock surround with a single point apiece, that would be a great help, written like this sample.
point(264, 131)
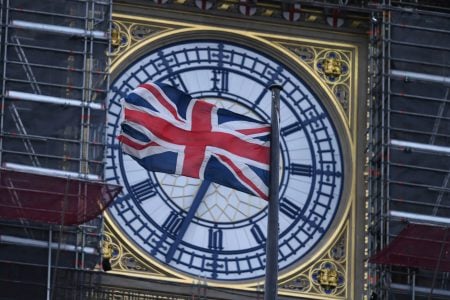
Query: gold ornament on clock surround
point(124, 260)
point(332, 65)
point(327, 275)
point(125, 35)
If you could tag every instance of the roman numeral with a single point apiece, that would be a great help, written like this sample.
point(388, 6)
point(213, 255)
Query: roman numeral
point(220, 80)
point(290, 129)
point(143, 190)
point(215, 239)
point(289, 209)
point(121, 199)
point(301, 169)
point(178, 82)
point(172, 223)
point(258, 234)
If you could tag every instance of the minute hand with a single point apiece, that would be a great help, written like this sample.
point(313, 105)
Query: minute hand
point(187, 220)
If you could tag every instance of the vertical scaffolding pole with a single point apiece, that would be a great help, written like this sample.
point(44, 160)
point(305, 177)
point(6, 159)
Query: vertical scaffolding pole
point(384, 172)
point(49, 265)
point(4, 38)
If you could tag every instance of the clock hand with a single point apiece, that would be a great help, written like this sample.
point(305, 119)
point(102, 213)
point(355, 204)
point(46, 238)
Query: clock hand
point(187, 220)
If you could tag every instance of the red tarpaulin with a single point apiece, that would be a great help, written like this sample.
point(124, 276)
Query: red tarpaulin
point(44, 198)
point(418, 246)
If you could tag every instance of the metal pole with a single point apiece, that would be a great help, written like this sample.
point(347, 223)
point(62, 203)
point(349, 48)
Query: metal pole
point(438, 263)
point(272, 223)
point(49, 263)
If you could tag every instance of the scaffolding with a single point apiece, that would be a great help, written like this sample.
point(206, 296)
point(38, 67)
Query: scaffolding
point(408, 153)
point(54, 83)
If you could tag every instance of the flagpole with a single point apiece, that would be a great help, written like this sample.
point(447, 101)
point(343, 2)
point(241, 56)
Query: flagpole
point(272, 223)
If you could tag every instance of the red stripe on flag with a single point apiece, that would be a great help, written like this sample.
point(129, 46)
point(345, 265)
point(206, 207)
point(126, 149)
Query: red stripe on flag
point(251, 131)
point(241, 175)
point(194, 156)
point(137, 146)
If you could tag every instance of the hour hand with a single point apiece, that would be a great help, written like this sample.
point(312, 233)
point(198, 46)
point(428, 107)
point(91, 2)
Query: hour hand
point(187, 220)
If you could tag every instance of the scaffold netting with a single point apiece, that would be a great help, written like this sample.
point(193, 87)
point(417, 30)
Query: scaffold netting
point(52, 199)
point(418, 246)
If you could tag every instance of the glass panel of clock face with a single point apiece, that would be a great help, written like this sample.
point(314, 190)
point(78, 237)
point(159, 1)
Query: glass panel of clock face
point(204, 229)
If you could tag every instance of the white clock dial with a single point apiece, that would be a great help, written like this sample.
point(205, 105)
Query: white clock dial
point(203, 229)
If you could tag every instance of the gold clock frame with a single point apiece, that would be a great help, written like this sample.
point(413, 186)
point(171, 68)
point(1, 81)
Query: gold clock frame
point(323, 61)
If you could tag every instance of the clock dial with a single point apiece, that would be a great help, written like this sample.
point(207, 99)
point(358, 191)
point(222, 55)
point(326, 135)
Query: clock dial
point(203, 229)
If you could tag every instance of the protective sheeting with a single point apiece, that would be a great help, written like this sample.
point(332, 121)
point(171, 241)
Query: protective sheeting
point(417, 110)
point(53, 136)
point(51, 199)
point(413, 35)
point(418, 246)
point(417, 182)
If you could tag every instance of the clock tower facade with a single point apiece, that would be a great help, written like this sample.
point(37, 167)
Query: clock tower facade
point(183, 230)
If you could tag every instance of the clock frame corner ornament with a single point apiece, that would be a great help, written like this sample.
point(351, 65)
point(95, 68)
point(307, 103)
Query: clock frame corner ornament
point(198, 229)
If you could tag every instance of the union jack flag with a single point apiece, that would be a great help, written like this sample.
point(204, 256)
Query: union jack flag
point(165, 130)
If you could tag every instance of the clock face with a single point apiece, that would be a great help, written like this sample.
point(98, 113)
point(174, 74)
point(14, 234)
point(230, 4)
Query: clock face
point(203, 229)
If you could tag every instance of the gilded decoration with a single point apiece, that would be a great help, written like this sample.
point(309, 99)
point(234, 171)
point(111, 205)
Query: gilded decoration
point(333, 67)
point(329, 278)
point(325, 277)
point(121, 258)
point(125, 35)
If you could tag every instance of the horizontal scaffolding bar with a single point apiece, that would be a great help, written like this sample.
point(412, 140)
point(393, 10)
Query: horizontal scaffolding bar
point(51, 84)
point(421, 132)
point(418, 167)
point(13, 63)
point(422, 115)
point(70, 52)
point(13, 135)
point(8, 239)
point(46, 13)
point(59, 29)
point(51, 99)
point(432, 29)
point(45, 227)
point(348, 7)
point(53, 67)
point(420, 76)
point(419, 62)
point(420, 146)
point(421, 9)
point(417, 204)
point(419, 289)
point(412, 96)
point(58, 157)
point(415, 45)
point(418, 217)
point(49, 172)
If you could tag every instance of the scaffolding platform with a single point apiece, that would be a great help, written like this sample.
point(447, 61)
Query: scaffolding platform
point(52, 199)
point(418, 246)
